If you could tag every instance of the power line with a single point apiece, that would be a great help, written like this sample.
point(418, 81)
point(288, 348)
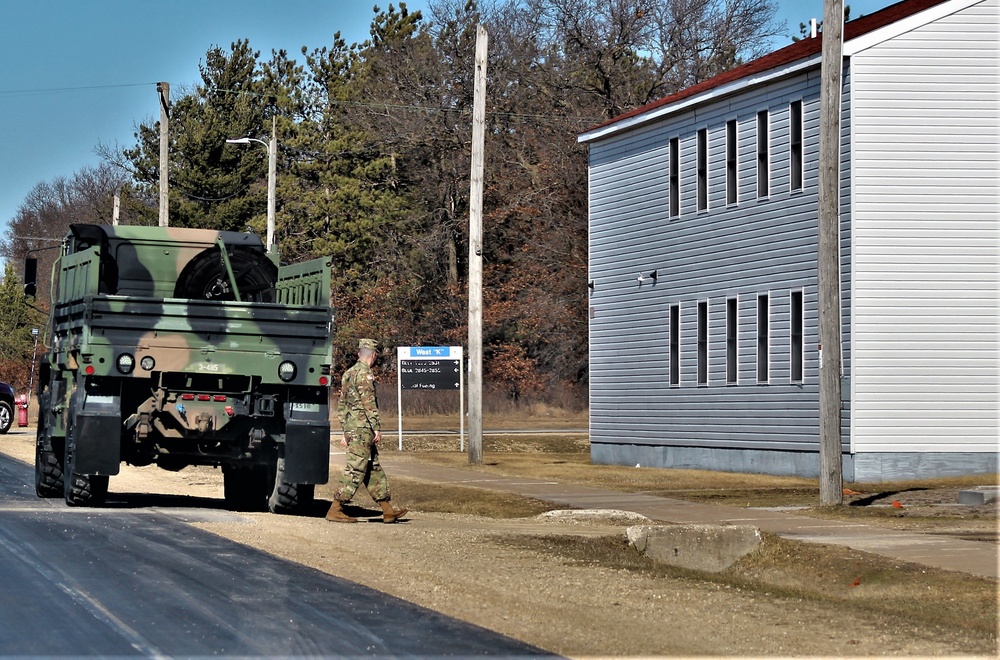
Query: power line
point(60, 90)
point(13, 93)
point(413, 108)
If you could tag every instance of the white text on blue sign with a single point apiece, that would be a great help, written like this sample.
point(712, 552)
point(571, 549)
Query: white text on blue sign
point(430, 351)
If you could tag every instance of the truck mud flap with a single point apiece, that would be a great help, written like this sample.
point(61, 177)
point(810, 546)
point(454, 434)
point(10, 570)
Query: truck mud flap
point(97, 435)
point(307, 444)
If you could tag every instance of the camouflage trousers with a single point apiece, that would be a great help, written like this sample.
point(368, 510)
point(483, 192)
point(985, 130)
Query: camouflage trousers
point(362, 468)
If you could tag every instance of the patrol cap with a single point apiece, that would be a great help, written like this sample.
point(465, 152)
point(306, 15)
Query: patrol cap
point(367, 343)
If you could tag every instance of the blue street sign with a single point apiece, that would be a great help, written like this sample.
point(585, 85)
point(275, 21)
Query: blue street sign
point(430, 352)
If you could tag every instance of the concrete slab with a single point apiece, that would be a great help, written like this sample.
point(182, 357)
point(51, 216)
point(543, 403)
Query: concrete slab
point(979, 495)
point(700, 547)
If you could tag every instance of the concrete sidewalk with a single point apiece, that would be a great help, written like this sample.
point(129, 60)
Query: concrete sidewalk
point(977, 558)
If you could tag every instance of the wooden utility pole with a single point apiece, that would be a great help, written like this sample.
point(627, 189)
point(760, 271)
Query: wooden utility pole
point(163, 91)
point(476, 254)
point(831, 479)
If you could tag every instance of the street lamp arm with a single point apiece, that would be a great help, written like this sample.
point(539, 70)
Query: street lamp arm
point(272, 157)
point(245, 140)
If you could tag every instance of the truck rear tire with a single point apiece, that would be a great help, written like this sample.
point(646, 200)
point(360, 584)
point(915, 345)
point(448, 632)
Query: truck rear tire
point(288, 497)
point(86, 489)
point(49, 472)
point(82, 489)
point(49, 453)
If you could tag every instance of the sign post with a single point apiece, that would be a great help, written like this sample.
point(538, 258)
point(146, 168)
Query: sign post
point(430, 368)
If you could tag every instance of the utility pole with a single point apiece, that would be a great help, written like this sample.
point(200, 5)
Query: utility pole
point(831, 479)
point(163, 91)
point(476, 254)
point(272, 158)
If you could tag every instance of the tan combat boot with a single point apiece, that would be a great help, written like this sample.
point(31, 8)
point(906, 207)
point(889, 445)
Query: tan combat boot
point(390, 515)
point(336, 514)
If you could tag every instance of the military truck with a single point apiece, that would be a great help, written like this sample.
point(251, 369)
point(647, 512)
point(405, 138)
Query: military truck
point(182, 347)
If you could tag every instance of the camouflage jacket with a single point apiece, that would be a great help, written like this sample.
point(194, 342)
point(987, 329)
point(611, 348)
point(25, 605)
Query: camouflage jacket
point(358, 407)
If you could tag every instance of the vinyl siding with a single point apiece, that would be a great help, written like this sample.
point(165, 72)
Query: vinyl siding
point(926, 207)
point(757, 246)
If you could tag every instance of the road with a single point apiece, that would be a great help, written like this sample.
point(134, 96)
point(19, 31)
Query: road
point(134, 579)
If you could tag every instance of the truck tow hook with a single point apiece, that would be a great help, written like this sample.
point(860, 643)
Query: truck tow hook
point(204, 422)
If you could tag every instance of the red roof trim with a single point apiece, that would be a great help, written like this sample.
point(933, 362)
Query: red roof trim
point(795, 52)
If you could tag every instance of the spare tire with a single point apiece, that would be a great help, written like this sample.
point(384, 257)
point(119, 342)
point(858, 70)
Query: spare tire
point(205, 276)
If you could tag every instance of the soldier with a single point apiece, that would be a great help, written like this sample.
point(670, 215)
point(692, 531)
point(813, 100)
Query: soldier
point(359, 418)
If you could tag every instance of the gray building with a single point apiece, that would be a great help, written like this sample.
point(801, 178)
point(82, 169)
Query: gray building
point(703, 258)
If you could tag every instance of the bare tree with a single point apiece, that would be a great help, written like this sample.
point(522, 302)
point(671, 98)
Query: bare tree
point(44, 217)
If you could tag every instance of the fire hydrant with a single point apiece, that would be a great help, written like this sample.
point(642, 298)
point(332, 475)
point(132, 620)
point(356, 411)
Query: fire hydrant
point(22, 411)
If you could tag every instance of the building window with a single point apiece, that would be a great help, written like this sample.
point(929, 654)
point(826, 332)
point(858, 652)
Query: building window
point(675, 178)
point(797, 357)
point(732, 327)
point(675, 345)
point(731, 163)
point(763, 175)
point(795, 144)
point(703, 342)
point(763, 321)
point(703, 169)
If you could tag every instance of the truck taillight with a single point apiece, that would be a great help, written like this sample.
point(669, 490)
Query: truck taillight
point(219, 397)
point(286, 371)
point(323, 380)
point(126, 363)
point(187, 397)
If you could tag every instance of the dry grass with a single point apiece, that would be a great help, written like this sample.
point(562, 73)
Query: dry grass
point(955, 606)
point(566, 457)
point(926, 505)
point(444, 498)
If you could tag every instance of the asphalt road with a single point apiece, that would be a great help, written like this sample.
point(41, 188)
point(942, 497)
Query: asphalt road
point(134, 579)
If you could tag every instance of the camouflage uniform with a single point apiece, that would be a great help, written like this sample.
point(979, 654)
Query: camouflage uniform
point(359, 417)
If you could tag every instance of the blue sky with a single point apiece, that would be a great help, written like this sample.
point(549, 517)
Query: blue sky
point(78, 73)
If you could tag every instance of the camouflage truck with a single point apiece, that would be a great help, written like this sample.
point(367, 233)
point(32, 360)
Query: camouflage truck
point(180, 347)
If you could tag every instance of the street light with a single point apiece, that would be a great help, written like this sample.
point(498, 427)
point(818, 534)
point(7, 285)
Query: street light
point(34, 358)
point(272, 157)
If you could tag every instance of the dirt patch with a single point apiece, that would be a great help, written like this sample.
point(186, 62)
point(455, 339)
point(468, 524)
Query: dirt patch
point(578, 590)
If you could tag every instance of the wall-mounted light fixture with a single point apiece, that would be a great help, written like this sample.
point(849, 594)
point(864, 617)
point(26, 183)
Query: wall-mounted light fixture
point(590, 285)
point(642, 278)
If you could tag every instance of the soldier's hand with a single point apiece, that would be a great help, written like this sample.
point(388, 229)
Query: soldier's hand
point(343, 441)
point(378, 436)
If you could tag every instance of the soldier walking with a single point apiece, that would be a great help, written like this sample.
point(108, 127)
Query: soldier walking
point(359, 418)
